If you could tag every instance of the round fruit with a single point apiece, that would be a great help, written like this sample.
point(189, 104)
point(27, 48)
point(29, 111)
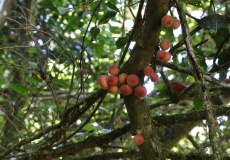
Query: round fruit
point(113, 70)
point(132, 80)
point(112, 80)
point(140, 91)
point(167, 20)
point(154, 77)
point(148, 71)
point(102, 80)
point(167, 57)
point(126, 90)
point(164, 44)
point(177, 87)
point(176, 24)
point(119, 121)
point(138, 139)
point(113, 89)
point(161, 55)
point(122, 78)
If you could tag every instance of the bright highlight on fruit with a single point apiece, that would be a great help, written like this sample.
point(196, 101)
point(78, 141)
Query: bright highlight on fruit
point(122, 78)
point(138, 139)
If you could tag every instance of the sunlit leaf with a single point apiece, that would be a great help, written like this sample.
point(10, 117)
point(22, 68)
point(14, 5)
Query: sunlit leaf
point(112, 6)
point(19, 88)
point(197, 102)
point(33, 65)
point(88, 127)
point(197, 3)
point(62, 10)
point(107, 16)
point(62, 83)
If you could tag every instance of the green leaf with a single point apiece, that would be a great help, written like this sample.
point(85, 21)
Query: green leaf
point(197, 102)
point(62, 10)
point(48, 4)
point(33, 65)
point(88, 127)
point(94, 32)
point(112, 6)
point(197, 3)
point(219, 36)
point(121, 42)
point(214, 21)
point(62, 83)
point(201, 58)
point(19, 88)
point(107, 16)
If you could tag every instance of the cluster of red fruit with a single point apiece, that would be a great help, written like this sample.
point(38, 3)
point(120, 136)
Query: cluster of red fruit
point(124, 83)
point(166, 21)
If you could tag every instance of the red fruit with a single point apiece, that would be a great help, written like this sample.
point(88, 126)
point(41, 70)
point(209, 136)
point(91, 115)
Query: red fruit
point(164, 44)
point(176, 24)
point(113, 70)
point(167, 57)
point(132, 80)
point(102, 80)
point(177, 87)
point(161, 55)
point(140, 91)
point(138, 139)
point(148, 71)
point(119, 121)
point(167, 20)
point(122, 78)
point(216, 123)
point(154, 77)
point(113, 89)
point(227, 80)
point(112, 80)
point(126, 90)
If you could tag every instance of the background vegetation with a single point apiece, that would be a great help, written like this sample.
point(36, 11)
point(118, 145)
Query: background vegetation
point(52, 53)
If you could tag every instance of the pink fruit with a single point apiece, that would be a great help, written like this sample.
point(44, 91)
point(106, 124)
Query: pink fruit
point(119, 121)
point(161, 55)
point(113, 89)
point(167, 20)
point(138, 139)
point(140, 91)
point(122, 78)
point(154, 77)
point(102, 80)
point(148, 71)
point(167, 57)
point(132, 80)
point(176, 24)
point(164, 44)
point(126, 90)
point(112, 80)
point(113, 70)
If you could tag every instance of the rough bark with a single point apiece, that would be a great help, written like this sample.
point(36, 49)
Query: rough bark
point(142, 53)
point(5, 7)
